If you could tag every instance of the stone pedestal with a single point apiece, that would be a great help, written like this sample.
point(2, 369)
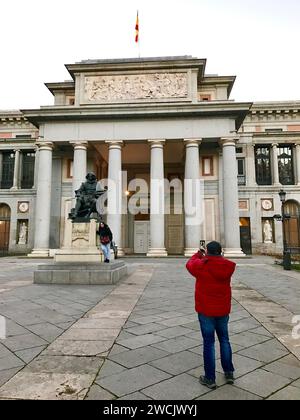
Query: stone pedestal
point(80, 273)
point(80, 261)
point(79, 243)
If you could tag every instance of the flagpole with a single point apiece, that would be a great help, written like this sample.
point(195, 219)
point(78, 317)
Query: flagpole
point(137, 34)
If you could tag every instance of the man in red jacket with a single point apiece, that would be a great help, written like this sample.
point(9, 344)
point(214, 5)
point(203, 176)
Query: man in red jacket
point(213, 303)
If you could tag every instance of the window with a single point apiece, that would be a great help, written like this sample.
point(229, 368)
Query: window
point(273, 130)
point(8, 164)
point(239, 150)
point(70, 168)
point(27, 180)
point(205, 97)
point(23, 136)
point(207, 166)
point(263, 165)
point(241, 171)
point(285, 165)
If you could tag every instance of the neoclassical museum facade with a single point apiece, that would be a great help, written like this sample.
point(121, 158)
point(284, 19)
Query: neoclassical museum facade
point(151, 119)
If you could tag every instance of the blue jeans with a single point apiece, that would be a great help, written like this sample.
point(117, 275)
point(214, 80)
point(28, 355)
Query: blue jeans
point(210, 325)
point(106, 250)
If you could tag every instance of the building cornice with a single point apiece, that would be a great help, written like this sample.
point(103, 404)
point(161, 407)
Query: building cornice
point(217, 80)
point(60, 86)
point(236, 110)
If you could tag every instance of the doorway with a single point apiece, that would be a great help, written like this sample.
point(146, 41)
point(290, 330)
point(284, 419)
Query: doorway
point(4, 227)
point(292, 225)
point(245, 235)
point(141, 236)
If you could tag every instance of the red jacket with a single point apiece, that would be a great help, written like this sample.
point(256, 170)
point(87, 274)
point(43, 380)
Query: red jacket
point(212, 288)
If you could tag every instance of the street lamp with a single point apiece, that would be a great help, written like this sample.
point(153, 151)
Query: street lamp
point(282, 218)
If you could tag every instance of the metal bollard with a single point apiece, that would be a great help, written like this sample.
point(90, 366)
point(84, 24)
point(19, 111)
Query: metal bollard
point(287, 263)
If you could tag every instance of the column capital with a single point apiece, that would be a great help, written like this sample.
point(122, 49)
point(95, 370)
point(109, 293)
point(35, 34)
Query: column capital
point(156, 143)
point(193, 142)
point(115, 144)
point(228, 141)
point(79, 145)
point(45, 145)
point(275, 145)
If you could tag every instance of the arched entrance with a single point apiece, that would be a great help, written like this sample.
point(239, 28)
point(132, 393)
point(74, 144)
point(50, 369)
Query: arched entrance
point(4, 227)
point(292, 225)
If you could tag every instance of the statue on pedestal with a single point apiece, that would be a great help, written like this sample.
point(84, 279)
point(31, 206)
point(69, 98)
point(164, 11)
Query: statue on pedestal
point(268, 233)
point(23, 234)
point(86, 199)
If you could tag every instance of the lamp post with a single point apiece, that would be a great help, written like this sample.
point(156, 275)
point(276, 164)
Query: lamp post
point(282, 218)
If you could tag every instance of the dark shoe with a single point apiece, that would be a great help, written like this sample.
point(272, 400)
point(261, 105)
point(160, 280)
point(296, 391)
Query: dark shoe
point(229, 378)
point(107, 261)
point(207, 382)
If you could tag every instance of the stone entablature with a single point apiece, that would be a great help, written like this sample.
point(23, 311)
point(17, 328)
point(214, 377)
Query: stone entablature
point(115, 88)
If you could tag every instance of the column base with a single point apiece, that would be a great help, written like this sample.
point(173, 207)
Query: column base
point(39, 253)
point(121, 252)
point(157, 252)
point(189, 252)
point(233, 253)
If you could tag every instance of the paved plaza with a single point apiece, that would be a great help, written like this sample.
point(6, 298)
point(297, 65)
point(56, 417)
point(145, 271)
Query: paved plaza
point(140, 339)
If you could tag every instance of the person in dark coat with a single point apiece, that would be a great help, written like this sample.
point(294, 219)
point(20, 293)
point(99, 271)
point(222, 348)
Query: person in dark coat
point(105, 240)
point(213, 304)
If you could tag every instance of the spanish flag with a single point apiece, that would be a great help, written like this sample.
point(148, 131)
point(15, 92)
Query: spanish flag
point(137, 28)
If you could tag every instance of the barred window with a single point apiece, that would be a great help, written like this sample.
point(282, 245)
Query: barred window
point(8, 164)
point(28, 170)
point(263, 165)
point(285, 165)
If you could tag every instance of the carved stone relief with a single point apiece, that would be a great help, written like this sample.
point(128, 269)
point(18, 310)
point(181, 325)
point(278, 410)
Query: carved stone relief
point(139, 86)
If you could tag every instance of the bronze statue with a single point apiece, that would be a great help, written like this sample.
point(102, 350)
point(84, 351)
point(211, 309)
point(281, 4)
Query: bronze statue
point(86, 198)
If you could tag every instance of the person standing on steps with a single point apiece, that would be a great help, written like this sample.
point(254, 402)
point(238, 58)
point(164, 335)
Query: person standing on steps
point(105, 240)
point(213, 304)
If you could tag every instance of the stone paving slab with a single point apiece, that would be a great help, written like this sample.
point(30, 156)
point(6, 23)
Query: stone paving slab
point(177, 344)
point(177, 363)
point(229, 393)
point(265, 352)
point(181, 387)
point(262, 383)
point(137, 357)
point(287, 393)
point(132, 380)
point(98, 393)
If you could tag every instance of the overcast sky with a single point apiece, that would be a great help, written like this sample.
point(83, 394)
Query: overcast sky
point(256, 40)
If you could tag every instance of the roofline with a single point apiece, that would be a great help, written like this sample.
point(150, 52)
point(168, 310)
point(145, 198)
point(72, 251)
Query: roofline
point(154, 63)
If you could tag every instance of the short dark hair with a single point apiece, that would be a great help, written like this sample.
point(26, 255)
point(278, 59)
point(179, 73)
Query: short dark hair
point(214, 248)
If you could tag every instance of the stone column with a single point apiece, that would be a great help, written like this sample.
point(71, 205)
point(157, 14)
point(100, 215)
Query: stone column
point(297, 149)
point(250, 167)
point(191, 190)
point(79, 165)
point(36, 167)
point(115, 193)
point(1, 167)
point(157, 197)
point(232, 247)
point(275, 170)
point(43, 202)
point(16, 181)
